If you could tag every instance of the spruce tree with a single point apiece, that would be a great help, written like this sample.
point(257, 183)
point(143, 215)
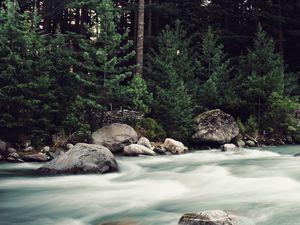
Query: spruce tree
point(26, 97)
point(169, 72)
point(216, 88)
point(260, 76)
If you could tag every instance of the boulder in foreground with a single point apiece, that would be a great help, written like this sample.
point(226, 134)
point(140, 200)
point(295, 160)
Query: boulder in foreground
point(229, 148)
point(213, 217)
point(115, 136)
point(82, 159)
point(215, 127)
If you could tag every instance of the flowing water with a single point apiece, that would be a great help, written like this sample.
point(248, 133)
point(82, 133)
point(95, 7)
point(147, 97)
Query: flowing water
point(262, 185)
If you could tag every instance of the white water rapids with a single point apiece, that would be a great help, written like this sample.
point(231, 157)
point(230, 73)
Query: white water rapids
point(261, 185)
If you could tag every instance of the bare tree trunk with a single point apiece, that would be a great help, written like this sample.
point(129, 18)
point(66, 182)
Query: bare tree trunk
point(140, 38)
point(150, 22)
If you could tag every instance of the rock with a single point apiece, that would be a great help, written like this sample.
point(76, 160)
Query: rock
point(297, 155)
point(229, 148)
point(159, 150)
point(39, 157)
point(69, 146)
point(145, 142)
point(115, 136)
point(136, 149)
point(46, 149)
point(214, 217)
point(3, 147)
point(28, 149)
point(215, 127)
point(250, 143)
point(82, 159)
point(11, 150)
point(241, 144)
point(1, 158)
point(175, 147)
point(14, 157)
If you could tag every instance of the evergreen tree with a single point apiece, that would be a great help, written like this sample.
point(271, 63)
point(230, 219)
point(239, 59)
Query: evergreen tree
point(260, 76)
point(169, 72)
point(216, 89)
point(26, 97)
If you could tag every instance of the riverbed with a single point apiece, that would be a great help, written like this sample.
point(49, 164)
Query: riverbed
point(261, 185)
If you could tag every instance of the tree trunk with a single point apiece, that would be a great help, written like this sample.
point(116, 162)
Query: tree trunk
point(140, 38)
point(150, 23)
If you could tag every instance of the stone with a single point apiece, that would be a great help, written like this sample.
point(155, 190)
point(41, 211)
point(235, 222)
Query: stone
point(46, 149)
point(82, 159)
point(215, 127)
point(39, 157)
point(136, 149)
point(115, 136)
point(213, 217)
point(145, 142)
point(159, 150)
point(69, 146)
point(28, 149)
point(229, 148)
point(241, 144)
point(11, 150)
point(1, 157)
point(297, 155)
point(3, 147)
point(250, 143)
point(175, 147)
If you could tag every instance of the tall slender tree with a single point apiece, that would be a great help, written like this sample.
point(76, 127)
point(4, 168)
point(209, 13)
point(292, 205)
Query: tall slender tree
point(140, 38)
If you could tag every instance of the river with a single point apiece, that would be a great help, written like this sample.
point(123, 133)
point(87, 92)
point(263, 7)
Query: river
point(262, 185)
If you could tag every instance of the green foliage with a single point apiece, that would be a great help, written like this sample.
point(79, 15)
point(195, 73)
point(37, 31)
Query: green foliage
point(26, 94)
point(261, 74)
point(280, 115)
point(216, 88)
point(170, 72)
point(251, 126)
point(151, 129)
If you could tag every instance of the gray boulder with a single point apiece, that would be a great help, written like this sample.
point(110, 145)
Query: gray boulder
point(297, 155)
point(175, 147)
point(14, 157)
point(11, 150)
point(82, 159)
point(229, 148)
point(136, 149)
point(39, 157)
point(115, 136)
point(241, 144)
point(214, 217)
point(145, 142)
point(215, 127)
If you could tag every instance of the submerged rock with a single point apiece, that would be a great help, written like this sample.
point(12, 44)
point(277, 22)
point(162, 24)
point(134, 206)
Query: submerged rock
point(213, 217)
point(126, 222)
point(229, 147)
point(136, 149)
point(115, 136)
point(82, 159)
point(250, 143)
point(175, 147)
point(215, 127)
point(297, 155)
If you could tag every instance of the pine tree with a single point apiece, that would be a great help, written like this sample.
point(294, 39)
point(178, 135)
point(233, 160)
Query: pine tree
point(260, 75)
point(169, 72)
point(26, 97)
point(216, 89)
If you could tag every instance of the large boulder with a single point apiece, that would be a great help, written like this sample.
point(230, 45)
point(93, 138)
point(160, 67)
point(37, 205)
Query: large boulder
point(115, 136)
point(213, 217)
point(215, 127)
point(136, 149)
point(82, 159)
point(175, 147)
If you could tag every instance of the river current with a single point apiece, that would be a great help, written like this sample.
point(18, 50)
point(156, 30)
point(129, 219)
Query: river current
point(260, 185)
